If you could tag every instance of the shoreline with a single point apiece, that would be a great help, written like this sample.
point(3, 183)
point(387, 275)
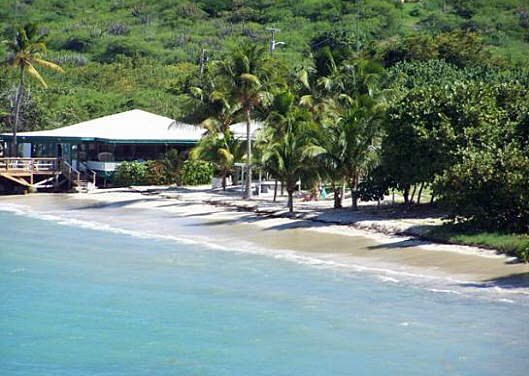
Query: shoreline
point(310, 235)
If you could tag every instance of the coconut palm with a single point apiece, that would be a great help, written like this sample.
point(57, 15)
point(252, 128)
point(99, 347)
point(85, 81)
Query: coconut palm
point(245, 74)
point(347, 101)
point(214, 106)
point(222, 149)
point(288, 154)
point(26, 51)
point(352, 142)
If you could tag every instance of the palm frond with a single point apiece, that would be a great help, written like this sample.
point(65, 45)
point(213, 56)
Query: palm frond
point(33, 72)
point(303, 77)
point(250, 78)
point(196, 92)
point(306, 100)
point(48, 64)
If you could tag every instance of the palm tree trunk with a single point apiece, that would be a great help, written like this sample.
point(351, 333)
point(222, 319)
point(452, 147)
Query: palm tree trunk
point(354, 192)
point(224, 180)
point(275, 191)
point(406, 194)
point(290, 200)
point(354, 198)
point(420, 193)
point(342, 196)
point(413, 193)
point(337, 196)
point(20, 91)
point(248, 193)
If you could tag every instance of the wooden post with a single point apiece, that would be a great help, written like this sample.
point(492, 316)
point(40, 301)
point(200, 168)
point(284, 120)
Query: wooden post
point(31, 171)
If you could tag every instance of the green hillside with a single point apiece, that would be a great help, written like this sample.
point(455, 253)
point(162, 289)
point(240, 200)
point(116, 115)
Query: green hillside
point(124, 54)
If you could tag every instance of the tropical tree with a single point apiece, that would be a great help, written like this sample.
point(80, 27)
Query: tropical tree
point(348, 103)
point(24, 52)
point(217, 145)
point(221, 149)
point(277, 121)
point(245, 76)
point(288, 154)
point(353, 142)
point(319, 92)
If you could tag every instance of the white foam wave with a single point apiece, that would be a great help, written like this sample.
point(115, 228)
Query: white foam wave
point(432, 282)
point(388, 279)
point(444, 291)
point(98, 226)
point(18, 270)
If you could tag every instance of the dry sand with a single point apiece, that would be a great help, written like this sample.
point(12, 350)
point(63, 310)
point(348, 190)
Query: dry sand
point(314, 235)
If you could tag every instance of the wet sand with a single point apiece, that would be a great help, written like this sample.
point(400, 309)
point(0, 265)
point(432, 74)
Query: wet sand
point(337, 243)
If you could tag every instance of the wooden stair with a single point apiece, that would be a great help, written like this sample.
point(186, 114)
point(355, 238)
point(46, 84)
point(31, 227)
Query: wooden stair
point(80, 182)
point(41, 173)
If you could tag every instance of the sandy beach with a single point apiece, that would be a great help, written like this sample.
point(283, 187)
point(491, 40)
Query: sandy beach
point(361, 238)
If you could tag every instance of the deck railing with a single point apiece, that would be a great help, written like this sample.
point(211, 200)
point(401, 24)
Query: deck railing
point(89, 173)
point(70, 173)
point(29, 165)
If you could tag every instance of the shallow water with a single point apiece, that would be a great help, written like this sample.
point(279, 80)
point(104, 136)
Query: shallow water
point(109, 297)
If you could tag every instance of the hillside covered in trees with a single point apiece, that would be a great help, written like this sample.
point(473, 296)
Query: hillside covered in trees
point(124, 54)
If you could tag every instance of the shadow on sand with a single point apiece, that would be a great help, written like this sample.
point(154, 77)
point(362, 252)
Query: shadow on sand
point(513, 281)
point(402, 244)
point(106, 205)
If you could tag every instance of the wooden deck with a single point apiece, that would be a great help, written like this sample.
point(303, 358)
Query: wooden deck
point(41, 172)
point(27, 166)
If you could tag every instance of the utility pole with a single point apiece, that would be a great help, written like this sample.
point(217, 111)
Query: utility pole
point(248, 189)
point(357, 26)
point(15, 6)
point(273, 42)
point(202, 61)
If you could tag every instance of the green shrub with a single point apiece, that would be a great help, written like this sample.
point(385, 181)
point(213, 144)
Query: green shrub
point(78, 43)
point(489, 187)
point(130, 173)
point(121, 46)
point(196, 172)
point(157, 173)
point(144, 173)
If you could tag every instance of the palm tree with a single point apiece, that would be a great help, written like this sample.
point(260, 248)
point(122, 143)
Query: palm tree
point(25, 51)
point(222, 149)
point(352, 141)
point(288, 154)
point(245, 74)
point(347, 102)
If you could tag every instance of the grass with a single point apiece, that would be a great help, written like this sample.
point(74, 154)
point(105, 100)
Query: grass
point(511, 244)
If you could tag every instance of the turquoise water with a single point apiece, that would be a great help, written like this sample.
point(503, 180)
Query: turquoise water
point(80, 301)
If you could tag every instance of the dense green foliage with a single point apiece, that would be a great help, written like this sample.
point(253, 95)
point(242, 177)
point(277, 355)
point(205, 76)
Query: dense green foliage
point(171, 169)
point(124, 54)
point(196, 172)
point(131, 173)
point(470, 137)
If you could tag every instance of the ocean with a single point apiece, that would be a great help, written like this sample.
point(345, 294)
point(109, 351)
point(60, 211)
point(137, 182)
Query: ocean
point(116, 291)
